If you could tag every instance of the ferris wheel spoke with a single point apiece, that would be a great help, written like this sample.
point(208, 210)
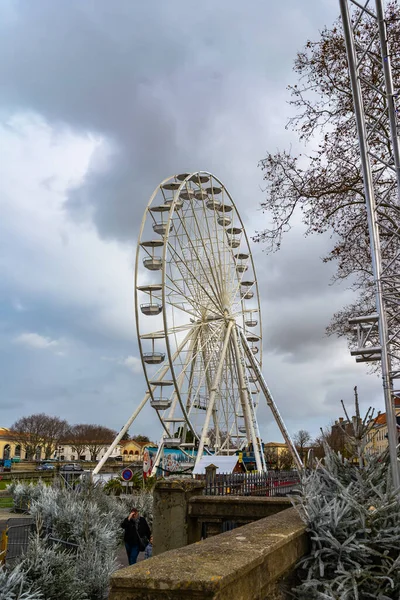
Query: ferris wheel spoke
point(191, 248)
point(200, 259)
point(204, 363)
point(199, 284)
point(202, 386)
point(213, 234)
point(205, 243)
point(191, 362)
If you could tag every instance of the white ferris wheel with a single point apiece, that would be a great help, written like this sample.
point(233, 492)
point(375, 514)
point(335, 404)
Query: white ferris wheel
point(198, 322)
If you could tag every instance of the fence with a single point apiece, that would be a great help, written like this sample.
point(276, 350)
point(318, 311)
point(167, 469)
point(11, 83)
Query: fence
point(278, 483)
point(14, 541)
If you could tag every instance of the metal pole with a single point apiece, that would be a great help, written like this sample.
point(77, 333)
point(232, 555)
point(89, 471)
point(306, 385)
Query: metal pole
point(213, 391)
point(390, 97)
point(271, 404)
point(244, 393)
point(121, 434)
point(374, 238)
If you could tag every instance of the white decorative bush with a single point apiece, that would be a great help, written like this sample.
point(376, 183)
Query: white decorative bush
point(14, 586)
point(86, 518)
point(353, 517)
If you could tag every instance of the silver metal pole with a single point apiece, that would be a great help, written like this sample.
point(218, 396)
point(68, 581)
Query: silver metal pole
point(271, 404)
point(390, 97)
point(374, 238)
point(120, 435)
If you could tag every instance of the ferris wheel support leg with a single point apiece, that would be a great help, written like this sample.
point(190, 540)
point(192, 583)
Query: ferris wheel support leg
point(209, 385)
point(159, 455)
point(125, 428)
point(244, 393)
point(120, 435)
point(214, 388)
point(272, 405)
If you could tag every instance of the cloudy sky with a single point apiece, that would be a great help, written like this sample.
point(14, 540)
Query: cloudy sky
point(99, 101)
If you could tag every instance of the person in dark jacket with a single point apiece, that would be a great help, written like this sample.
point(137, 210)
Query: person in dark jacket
point(136, 536)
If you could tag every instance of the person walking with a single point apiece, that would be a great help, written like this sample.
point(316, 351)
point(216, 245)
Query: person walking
point(136, 534)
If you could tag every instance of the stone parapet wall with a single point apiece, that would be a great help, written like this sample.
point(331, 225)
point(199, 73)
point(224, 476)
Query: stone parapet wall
point(213, 513)
point(182, 513)
point(171, 526)
point(250, 563)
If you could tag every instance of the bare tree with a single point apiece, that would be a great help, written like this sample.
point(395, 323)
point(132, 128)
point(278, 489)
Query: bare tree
point(285, 460)
point(301, 440)
point(30, 433)
point(92, 437)
point(271, 457)
point(55, 430)
point(325, 185)
point(77, 438)
point(223, 436)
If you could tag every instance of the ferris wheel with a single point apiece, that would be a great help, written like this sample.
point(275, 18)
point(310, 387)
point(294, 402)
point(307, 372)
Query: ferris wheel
point(198, 321)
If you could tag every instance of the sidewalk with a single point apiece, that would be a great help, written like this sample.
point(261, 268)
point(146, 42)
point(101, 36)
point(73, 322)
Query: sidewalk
point(6, 513)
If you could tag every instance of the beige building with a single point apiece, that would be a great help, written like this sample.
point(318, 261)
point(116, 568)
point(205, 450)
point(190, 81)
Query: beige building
point(132, 451)
point(9, 447)
point(66, 452)
point(277, 455)
point(377, 440)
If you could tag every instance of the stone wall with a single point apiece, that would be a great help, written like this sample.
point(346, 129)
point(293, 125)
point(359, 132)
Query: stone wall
point(182, 512)
point(250, 563)
point(171, 526)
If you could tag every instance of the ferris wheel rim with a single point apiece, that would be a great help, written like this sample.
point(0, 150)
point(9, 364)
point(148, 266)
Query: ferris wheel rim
point(167, 329)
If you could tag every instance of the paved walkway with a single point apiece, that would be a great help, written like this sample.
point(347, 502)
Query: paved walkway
point(123, 559)
point(6, 513)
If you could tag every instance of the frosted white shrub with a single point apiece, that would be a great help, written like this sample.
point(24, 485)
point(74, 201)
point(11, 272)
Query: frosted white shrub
point(14, 585)
point(86, 518)
point(353, 517)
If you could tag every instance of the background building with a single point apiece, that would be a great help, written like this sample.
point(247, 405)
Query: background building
point(377, 440)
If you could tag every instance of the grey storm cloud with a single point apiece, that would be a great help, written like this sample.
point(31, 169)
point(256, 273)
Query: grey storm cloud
point(170, 87)
point(161, 87)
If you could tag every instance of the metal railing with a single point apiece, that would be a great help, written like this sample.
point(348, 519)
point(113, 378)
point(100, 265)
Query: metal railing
point(279, 483)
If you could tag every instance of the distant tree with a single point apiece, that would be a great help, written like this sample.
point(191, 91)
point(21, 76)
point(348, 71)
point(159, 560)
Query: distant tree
point(92, 437)
point(183, 431)
point(126, 436)
point(55, 430)
point(271, 457)
point(140, 438)
point(301, 440)
point(98, 438)
point(285, 460)
point(223, 435)
point(39, 431)
point(77, 438)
